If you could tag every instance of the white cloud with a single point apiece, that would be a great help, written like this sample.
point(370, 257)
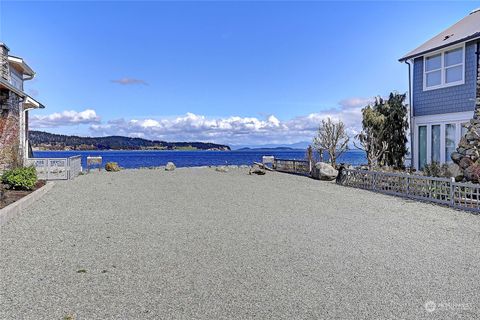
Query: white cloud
point(228, 130)
point(235, 129)
point(65, 118)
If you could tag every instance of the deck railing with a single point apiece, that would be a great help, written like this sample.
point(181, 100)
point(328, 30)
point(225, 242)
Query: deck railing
point(56, 168)
point(292, 166)
point(439, 190)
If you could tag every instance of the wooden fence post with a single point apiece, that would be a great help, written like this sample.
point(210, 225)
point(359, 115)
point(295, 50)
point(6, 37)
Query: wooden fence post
point(452, 192)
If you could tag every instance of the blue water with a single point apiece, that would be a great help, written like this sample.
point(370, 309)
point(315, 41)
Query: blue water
point(137, 159)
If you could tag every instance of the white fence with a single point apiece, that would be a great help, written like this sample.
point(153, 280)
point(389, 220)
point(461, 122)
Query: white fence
point(56, 168)
point(445, 191)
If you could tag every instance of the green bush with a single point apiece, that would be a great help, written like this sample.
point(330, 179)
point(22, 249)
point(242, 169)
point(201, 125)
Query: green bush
point(20, 178)
point(112, 166)
point(436, 169)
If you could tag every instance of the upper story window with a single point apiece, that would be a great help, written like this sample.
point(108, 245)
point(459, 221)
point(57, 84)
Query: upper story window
point(16, 80)
point(444, 69)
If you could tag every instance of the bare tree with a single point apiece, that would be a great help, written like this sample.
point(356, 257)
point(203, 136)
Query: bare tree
point(333, 138)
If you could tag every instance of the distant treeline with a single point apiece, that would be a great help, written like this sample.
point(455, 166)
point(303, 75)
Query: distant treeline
point(49, 141)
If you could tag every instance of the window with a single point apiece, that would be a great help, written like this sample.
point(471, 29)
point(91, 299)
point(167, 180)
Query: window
point(433, 70)
point(436, 143)
point(422, 146)
point(449, 141)
point(444, 69)
point(15, 80)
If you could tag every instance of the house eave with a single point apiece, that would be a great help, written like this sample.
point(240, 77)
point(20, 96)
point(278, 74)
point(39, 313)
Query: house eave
point(19, 62)
point(31, 102)
point(475, 36)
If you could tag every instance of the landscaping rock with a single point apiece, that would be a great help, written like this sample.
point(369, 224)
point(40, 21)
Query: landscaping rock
point(472, 173)
point(112, 167)
point(464, 163)
point(170, 166)
point(324, 171)
point(221, 169)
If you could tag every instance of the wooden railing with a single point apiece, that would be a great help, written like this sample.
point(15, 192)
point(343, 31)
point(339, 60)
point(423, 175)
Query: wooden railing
point(56, 168)
point(292, 166)
point(439, 190)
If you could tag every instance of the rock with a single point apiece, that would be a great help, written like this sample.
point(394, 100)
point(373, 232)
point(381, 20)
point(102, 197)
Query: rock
point(465, 162)
point(456, 157)
point(221, 169)
point(112, 167)
point(459, 178)
point(470, 136)
point(472, 173)
point(471, 152)
point(257, 170)
point(170, 166)
point(324, 171)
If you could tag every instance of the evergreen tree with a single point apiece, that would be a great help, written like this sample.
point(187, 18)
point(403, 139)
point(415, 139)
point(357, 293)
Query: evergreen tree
point(384, 135)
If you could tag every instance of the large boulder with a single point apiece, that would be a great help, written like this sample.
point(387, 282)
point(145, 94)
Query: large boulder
point(170, 166)
point(112, 167)
point(324, 171)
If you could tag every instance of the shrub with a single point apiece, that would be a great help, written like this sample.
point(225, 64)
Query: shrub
point(112, 166)
point(23, 178)
point(436, 169)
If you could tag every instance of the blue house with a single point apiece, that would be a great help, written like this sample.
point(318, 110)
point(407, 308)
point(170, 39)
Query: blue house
point(443, 75)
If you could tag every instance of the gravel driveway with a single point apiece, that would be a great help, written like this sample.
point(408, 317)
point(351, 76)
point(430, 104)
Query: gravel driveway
point(200, 244)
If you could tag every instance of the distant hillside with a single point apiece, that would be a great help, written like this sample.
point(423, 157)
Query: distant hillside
point(298, 145)
point(48, 141)
point(268, 149)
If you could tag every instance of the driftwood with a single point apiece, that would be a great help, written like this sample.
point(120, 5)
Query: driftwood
point(263, 166)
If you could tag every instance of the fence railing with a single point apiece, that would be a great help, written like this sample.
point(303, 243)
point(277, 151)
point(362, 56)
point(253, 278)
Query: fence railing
point(56, 168)
point(292, 166)
point(439, 190)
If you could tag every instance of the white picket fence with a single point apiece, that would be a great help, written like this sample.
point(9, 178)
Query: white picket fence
point(56, 168)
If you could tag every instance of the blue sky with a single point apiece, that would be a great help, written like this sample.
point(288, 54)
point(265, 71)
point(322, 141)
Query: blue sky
point(228, 72)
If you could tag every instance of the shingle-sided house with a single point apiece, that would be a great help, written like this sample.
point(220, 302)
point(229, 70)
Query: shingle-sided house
point(443, 89)
point(14, 107)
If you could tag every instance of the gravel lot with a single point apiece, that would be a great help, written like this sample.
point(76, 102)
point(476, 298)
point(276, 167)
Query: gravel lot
point(200, 244)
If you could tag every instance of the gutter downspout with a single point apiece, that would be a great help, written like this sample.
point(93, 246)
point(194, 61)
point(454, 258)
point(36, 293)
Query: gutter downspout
point(410, 107)
point(477, 87)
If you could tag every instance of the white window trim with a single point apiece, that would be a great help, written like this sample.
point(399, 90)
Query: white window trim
point(443, 69)
point(457, 118)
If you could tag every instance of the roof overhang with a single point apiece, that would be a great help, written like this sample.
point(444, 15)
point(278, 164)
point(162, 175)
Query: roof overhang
point(22, 65)
point(31, 103)
point(422, 53)
point(28, 101)
point(467, 29)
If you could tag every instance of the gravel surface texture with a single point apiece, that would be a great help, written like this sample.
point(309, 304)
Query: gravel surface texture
point(200, 244)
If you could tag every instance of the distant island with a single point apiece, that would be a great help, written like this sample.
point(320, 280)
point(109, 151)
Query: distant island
point(40, 140)
point(269, 149)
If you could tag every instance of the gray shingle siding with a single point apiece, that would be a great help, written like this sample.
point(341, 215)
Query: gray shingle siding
point(445, 100)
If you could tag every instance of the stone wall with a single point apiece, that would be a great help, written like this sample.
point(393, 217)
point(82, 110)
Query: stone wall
point(10, 138)
point(468, 152)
